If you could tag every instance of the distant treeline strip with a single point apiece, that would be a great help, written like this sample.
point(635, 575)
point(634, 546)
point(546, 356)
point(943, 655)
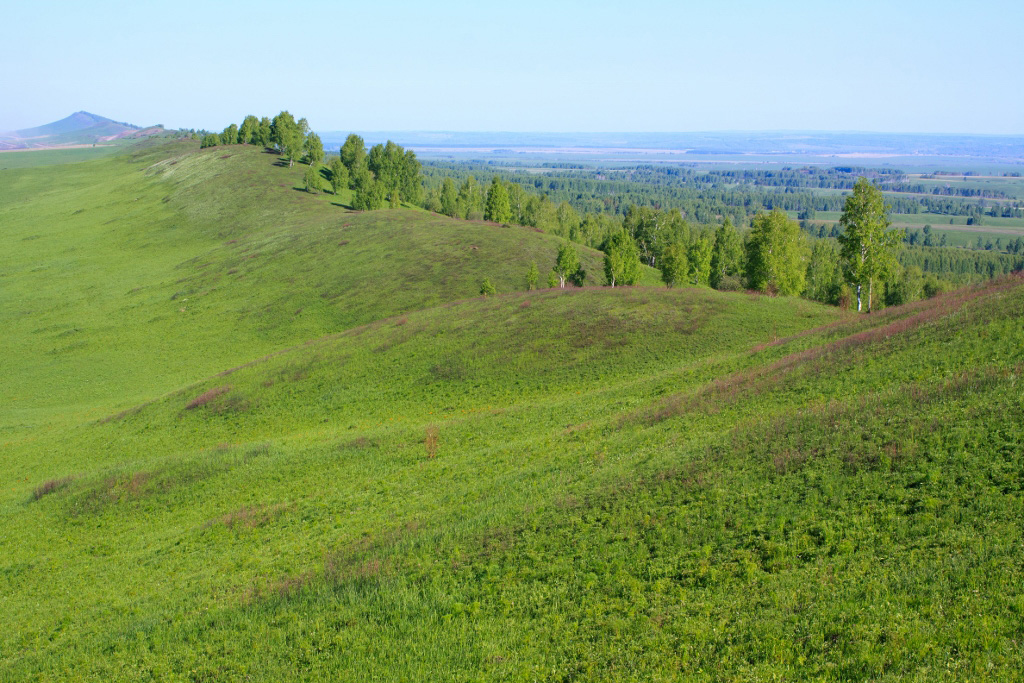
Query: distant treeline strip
point(706, 196)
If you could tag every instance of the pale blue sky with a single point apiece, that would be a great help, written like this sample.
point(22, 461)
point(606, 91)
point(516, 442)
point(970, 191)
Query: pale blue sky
point(636, 65)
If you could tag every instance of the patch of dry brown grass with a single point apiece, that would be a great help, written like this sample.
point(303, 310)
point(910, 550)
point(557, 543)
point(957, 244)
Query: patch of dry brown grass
point(51, 486)
point(207, 396)
point(247, 517)
point(430, 441)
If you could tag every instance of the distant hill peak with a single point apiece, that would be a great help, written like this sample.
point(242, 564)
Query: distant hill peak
point(79, 128)
point(79, 121)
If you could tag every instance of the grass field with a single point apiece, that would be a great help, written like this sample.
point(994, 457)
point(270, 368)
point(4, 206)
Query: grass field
point(1005, 226)
point(1013, 188)
point(179, 258)
point(968, 237)
point(252, 435)
point(958, 234)
point(54, 157)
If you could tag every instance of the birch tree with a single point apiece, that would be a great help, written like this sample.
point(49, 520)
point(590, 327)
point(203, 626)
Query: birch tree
point(867, 245)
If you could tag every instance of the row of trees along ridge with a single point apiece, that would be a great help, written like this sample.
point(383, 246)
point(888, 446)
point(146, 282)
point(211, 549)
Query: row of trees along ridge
point(386, 175)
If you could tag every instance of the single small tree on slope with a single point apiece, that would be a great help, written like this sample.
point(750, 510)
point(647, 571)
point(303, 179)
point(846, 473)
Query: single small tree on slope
point(699, 256)
point(532, 275)
point(247, 132)
point(566, 263)
point(621, 260)
point(776, 255)
point(287, 136)
point(353, 154)
point(312, 180)
point(867, 246)
point(313, 149)
point(675, 265)
point(498, 208)
point(727, 254)
point(339, 174)
point(449, 198)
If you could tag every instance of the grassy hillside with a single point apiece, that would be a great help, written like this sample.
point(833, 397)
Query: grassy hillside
point(57, 157)
point(133, 275)
point(402, 481)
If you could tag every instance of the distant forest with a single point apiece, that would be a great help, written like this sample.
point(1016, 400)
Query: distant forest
point(660, 206)
point(709, 195)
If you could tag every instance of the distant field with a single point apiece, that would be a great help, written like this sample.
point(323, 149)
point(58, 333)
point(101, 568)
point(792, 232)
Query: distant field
point(616, 158)
point(989, 201)
point(1012, 187)
point(958, 236)
point(969, 237)
point(994, 226)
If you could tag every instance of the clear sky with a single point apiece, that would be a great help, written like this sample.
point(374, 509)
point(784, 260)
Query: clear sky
point(545, 65)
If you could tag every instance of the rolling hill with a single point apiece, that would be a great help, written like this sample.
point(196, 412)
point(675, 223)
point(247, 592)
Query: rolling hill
point(144, 251)
point(249, 434)
point(80, 128)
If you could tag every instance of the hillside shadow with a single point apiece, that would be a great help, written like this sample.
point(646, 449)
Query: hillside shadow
point(281, 161)
point(325, 194)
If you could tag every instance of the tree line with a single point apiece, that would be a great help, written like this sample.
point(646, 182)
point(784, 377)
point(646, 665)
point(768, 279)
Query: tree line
point(865, 264)
point(701, 196)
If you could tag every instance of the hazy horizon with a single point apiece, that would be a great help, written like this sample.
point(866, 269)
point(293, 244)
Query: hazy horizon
point(715, 131)
point(642, 66)
point(438, 131)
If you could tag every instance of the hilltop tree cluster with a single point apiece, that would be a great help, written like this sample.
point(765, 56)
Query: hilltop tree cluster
point(386, 175)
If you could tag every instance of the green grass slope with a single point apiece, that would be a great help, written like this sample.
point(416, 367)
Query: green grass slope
point(594, 485)
point(56, 157)
point(129, 276)
point(340, 423)
point(255, 436)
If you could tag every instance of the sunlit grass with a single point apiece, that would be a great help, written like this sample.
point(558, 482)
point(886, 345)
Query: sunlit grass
point(406, 482)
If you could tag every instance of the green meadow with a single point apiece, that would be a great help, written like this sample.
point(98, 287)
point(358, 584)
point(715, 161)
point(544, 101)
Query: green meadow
point(1012, 187)
point(940, 222)
point(968, 237)
point(54, 157)
point(250, 434)
point(955, 228)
